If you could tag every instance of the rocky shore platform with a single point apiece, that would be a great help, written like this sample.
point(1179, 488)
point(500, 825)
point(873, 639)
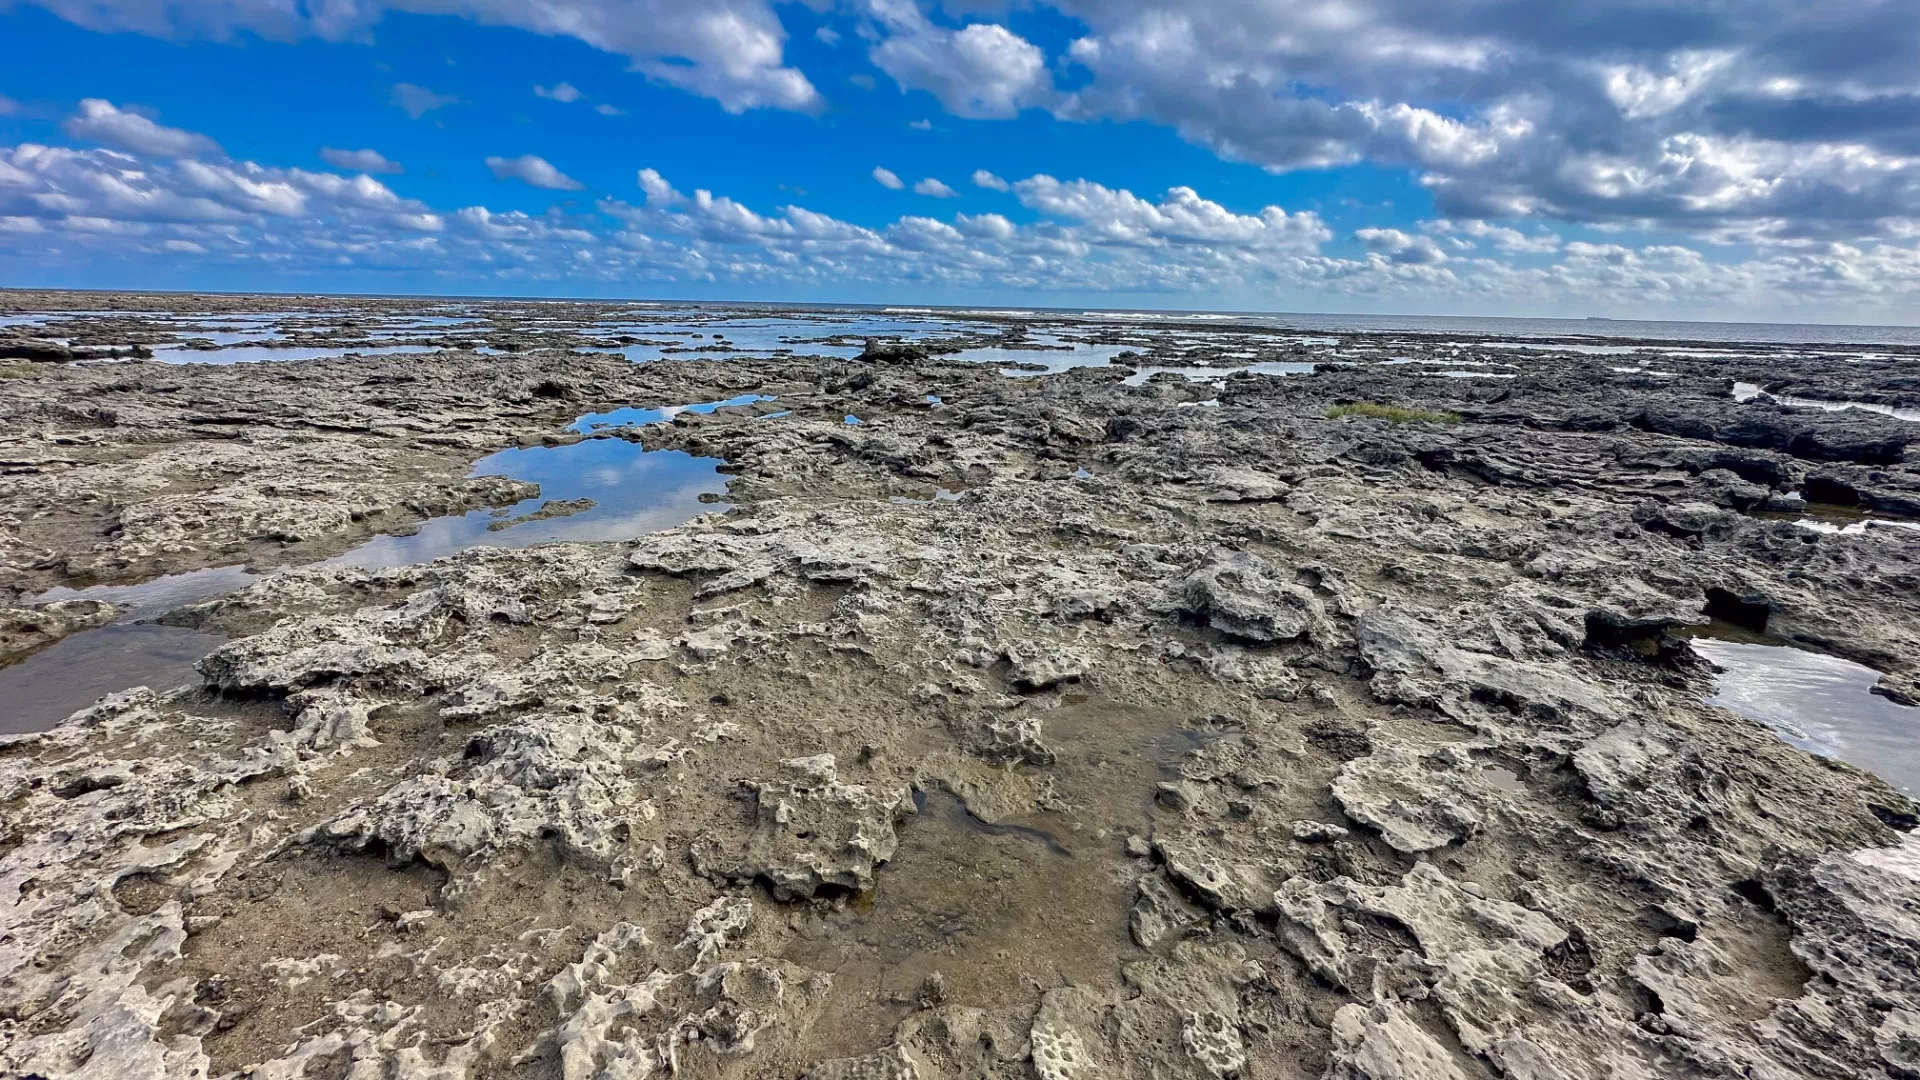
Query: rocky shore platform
point(975, 723)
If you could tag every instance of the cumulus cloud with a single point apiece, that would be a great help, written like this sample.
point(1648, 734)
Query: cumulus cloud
point(1082, 238)
point(978, 70)
point(934, 188)
point(659, 192)
point(1401, 247)
point(728, 50)
point(1181, 217)
point(605, 109)
point(561, 92)
point(106, 190)
point(1504, 239)
point(985, 179)
point(418, 101)
point(367, 161)
point(984, 226)
point(887, 178)
point(534, 170)
point(1770, 122)
point(102, 122)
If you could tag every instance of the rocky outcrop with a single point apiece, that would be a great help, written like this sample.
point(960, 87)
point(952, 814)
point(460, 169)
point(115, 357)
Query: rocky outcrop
point(1191, 743)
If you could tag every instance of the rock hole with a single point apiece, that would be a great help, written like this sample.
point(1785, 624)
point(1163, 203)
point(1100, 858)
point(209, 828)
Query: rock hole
point(1572, 961)
point(1900, 819)
point(1826, 489)
point(1646, 1002)
point(1755, 893)
point(86, 785)
point(1666, 924)
point(1746, 614)
point(141, 893)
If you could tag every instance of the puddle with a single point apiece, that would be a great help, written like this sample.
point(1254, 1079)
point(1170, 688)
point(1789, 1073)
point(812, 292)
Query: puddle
point(634, 491)
point(620, 489)
point(77, 671)
point(262, 354)
point(1817, 702)
point(1746, 391)
point(1834, 519)
point(796, 335)
point(641, 417)
point(1203, 374)
point(164, 594)
point(1549, 346)
point(1045, 361)
point(1503, 778)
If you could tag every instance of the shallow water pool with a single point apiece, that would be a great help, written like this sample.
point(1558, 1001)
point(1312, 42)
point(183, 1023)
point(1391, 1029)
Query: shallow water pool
point(1817, 702)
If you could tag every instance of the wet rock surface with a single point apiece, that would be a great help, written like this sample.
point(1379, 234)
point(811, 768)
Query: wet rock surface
point(1186, 742)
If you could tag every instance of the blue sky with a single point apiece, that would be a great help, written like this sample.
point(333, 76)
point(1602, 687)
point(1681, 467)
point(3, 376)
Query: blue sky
point(1666, 160)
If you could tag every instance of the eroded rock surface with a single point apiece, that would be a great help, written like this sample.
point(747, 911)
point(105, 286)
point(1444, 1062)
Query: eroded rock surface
point(1185, 742)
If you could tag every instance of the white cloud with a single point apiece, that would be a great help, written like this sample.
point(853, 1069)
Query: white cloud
point(1508, 240)
point(1120, 216)
point(934, 188)
point(1084, 239)
point(61, 188)
point(1769, 121)
point(367, 161)
point(1401, 247)
point(8, 106)
point(728, 50)
point(609, 110)
point(887, 178)
point(979, 70)
point(827, 35)
point(985, 179)
point(985, 226)
point(534, 170)
point(1776, 121)
point(920, 125)
point(659, 192)
point(418, 101)
point(561, 92)
point(100, 121)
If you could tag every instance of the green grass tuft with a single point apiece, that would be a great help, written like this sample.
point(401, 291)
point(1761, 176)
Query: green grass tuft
point(1393, 414)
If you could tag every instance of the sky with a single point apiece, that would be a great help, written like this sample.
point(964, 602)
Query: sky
point(1668, 159)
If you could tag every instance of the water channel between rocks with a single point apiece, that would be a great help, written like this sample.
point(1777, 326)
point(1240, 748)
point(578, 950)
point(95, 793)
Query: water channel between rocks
point(1746, 391)
point(594, 490)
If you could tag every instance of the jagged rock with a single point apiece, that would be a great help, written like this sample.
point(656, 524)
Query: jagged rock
point(1015, 741)
point(1240, 594)
point(811, 834)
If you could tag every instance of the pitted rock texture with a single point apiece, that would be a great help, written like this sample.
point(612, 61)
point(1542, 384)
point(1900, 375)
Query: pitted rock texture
point(1187, 743)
